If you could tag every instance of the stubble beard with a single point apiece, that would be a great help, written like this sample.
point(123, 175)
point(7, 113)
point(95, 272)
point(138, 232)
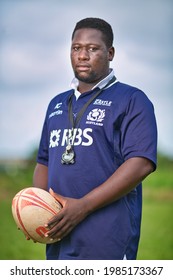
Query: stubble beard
point(89, 79)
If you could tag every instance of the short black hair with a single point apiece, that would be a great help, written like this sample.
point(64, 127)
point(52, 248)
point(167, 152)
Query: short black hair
point(99, 24)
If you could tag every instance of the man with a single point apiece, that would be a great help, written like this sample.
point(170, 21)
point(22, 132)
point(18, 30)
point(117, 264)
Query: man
point(98, 143)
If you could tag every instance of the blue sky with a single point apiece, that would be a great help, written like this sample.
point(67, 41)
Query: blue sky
point(35, 39)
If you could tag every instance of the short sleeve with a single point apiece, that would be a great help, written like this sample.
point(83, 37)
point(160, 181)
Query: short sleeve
point(139, 129)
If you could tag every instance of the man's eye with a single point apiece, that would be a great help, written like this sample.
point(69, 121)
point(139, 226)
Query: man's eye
point(92, 49)
point(76, 49)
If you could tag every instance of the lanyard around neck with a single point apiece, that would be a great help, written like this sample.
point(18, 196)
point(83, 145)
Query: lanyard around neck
point(76, 121)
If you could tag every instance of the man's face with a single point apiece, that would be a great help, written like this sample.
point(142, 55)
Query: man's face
point(90, 56)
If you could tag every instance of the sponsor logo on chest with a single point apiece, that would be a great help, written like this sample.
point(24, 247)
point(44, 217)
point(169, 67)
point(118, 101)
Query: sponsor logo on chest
point(60, 137)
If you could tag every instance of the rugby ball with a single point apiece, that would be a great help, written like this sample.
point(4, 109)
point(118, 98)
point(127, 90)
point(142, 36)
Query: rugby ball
point(32, 208)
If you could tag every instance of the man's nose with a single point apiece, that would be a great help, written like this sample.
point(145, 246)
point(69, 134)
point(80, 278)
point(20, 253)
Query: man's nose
point(83, 55)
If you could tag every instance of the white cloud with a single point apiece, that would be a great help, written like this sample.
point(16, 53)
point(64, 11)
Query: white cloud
point(22, 66)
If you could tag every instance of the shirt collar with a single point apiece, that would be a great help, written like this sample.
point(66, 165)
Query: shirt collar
point(101, 84)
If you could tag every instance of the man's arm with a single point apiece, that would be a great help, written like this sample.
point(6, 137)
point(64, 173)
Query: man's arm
point(126, 177)
point(123, 180)
point(40, 177)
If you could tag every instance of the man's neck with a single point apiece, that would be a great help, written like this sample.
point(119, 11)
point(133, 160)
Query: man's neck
point(84, 87)
point(87, 87)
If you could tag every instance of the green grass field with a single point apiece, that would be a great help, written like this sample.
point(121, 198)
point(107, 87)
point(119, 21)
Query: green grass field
point(156, 241)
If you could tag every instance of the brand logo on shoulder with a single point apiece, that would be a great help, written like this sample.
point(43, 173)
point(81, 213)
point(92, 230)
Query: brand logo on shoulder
point(95, 117)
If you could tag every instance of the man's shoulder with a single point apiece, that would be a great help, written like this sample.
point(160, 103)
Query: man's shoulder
point(58, 101)
point(128, 91)
point(60, 98)
point(126, 87)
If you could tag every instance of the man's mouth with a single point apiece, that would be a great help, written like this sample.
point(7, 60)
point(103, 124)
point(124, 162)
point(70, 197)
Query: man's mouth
point(82, 67)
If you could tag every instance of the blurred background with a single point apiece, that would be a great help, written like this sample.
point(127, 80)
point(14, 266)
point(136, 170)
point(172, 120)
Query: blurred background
point(35, 39)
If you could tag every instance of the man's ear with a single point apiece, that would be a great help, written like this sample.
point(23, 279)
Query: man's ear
point(111, 53)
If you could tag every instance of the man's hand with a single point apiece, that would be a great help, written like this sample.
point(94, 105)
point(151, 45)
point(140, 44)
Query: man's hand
point(72, 213)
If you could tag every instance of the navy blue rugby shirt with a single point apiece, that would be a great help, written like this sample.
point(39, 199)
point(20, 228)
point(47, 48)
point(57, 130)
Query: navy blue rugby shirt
point(119, 124)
